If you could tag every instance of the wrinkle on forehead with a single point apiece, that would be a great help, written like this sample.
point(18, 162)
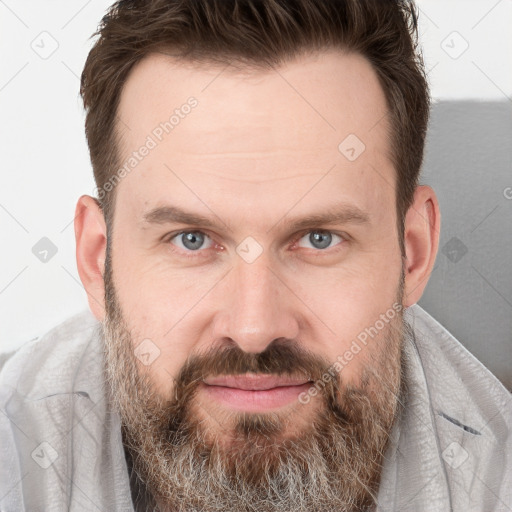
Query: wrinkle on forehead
point(279, 133)
point(302, 106)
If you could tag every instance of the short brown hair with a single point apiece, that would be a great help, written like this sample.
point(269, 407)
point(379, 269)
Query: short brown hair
point(261, 34)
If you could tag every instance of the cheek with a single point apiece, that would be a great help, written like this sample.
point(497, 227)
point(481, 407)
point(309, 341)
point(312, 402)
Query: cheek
point(353, 306)
point(158, 310)
point(353, 295)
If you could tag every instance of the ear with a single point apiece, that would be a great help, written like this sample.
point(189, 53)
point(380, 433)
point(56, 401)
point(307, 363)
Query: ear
point(421, 237)
point(91, 244)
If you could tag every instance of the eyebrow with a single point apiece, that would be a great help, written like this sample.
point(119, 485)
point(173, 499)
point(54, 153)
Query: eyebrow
point(339, 214)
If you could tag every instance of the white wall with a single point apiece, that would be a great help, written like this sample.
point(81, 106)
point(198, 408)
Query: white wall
point(45, 164)
point(468, 46)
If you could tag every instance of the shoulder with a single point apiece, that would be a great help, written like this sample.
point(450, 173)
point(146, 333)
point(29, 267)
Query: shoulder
point(471, 415)
point(4, 357)
point(450, 368)
point(32, 368)
point(52, 397)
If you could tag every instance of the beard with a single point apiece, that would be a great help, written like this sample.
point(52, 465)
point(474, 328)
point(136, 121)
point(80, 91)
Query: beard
point(323, 459)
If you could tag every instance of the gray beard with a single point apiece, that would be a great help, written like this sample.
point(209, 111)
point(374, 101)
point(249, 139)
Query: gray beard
point(333, 464)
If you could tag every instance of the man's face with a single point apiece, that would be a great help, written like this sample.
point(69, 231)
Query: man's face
point(217, 331)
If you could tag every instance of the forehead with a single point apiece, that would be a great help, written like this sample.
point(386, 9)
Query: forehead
point(255, 136)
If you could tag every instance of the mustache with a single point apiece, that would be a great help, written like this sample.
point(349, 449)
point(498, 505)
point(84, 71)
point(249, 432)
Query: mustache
point(282, 357)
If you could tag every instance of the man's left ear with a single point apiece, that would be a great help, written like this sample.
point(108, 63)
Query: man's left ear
point(421, 237)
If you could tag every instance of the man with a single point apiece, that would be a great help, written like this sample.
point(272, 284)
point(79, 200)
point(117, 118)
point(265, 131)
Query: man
point(253, 263)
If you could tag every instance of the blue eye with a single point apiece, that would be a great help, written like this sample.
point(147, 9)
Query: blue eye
point(191, 240)
point(320, 239)
point(196, 241)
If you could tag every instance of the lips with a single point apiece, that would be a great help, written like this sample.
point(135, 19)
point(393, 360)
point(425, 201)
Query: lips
point(255, 382)
point(253, 392)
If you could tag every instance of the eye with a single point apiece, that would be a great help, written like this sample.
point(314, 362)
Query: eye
point(191, 240)
point(319, 239)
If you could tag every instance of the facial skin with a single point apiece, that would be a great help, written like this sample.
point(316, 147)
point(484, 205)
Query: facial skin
point(258, 151)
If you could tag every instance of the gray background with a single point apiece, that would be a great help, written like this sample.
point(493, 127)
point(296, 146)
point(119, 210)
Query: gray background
point(468, 162)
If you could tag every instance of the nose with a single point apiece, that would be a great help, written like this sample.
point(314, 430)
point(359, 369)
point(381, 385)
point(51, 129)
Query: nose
point(255, 306)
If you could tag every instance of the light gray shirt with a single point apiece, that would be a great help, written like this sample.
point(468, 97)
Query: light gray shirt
point(61, 447)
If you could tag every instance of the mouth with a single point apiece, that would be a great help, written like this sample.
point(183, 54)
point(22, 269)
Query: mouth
point(253, 392)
